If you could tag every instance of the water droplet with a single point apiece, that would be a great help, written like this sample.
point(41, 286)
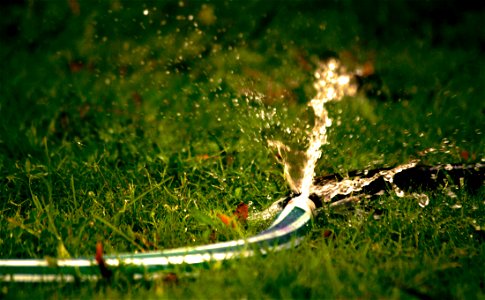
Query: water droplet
point(423, 199)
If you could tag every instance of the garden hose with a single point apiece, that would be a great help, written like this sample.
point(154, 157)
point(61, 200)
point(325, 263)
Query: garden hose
point(287, 230)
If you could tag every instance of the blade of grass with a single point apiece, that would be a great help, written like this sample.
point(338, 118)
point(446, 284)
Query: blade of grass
point(119, 232)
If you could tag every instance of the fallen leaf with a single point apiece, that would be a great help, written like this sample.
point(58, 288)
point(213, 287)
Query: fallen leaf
point(327, 233)
point(171, 278)
point(202, 157)
point(241, 212)
point(76, 66)
point(368, 69)
point(228, 221)
point(239, 216)
point(75, 7)
point(103, 268)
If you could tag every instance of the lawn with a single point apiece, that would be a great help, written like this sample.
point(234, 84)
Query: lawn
point(137, 123)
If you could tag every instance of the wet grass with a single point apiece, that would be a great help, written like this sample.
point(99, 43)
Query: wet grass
point(136, 124)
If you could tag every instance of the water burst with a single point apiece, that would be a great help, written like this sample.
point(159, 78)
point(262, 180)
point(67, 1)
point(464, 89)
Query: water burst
point(333, 82)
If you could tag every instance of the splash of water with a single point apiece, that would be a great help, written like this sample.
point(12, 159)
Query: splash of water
point(333, 82)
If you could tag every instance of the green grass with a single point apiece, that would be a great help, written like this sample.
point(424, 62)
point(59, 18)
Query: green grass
point(137, 130)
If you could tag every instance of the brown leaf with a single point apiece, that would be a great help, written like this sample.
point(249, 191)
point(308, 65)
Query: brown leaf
point(241, 212)
point(239, 216)
point(103, 268)
point(76, 66)
point(327, 234)
point(75, 7)
point(171, 278)
point(368, 69)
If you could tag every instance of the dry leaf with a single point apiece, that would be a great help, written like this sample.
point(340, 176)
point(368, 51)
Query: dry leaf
point(228, 221)
point(103, 268)
point(241, 212)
